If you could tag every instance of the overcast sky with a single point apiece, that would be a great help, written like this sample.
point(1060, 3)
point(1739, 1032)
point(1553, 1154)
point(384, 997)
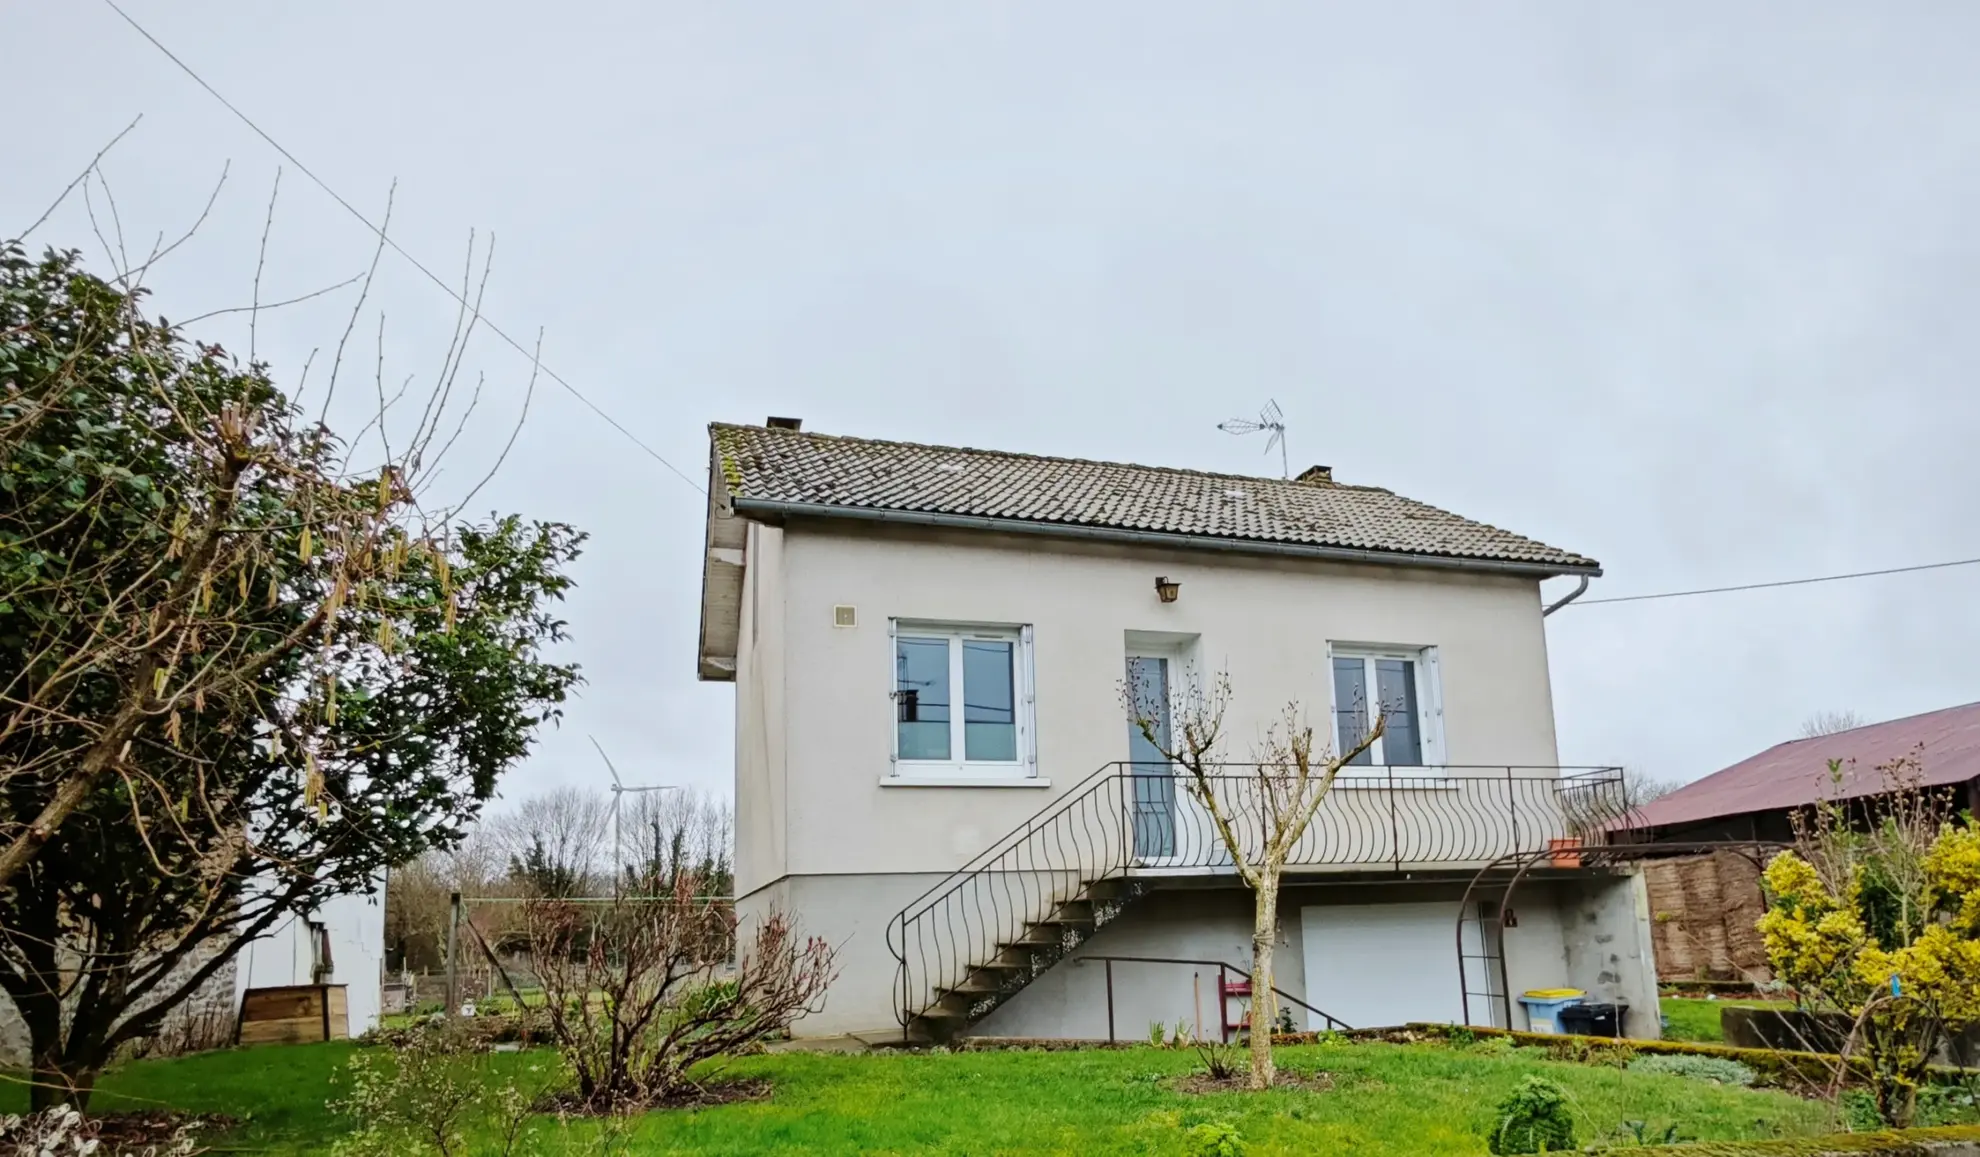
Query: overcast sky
point(1688, 288)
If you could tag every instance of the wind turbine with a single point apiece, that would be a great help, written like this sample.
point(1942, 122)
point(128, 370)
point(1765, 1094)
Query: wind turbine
point(1272, 419)
point(619, 789)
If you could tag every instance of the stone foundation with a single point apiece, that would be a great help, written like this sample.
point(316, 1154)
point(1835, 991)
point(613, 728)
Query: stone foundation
point(203, 1020)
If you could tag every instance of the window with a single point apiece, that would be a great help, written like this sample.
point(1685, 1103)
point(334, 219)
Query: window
point(962, 700)
point(1402, 684)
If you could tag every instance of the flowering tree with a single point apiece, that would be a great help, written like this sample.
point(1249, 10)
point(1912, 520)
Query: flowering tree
point(1883, 926)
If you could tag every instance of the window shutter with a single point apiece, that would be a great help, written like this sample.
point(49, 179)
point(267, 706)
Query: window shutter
point(1027, 718)
point(1433, 706)
point(893, 698)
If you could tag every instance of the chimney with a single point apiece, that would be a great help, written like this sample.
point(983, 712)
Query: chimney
point(1317, 475)
point(776, 423)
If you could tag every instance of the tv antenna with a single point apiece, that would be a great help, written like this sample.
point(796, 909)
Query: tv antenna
point(619, 789)
point(1270, 419)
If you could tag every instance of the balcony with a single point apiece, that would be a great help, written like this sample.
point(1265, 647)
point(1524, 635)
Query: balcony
point(982, 934)
point(1374, 818)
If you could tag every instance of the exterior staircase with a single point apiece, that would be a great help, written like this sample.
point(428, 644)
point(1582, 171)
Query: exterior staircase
point(1005, 972)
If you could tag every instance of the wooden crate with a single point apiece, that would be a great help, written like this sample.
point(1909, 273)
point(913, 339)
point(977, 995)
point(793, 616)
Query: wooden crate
point(293, 1014)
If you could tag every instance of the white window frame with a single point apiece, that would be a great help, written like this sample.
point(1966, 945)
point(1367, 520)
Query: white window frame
point(1429, 704)
point(958, 770)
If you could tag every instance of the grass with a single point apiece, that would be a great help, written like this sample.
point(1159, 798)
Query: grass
point(1692, 1019)
point(1387, 1099)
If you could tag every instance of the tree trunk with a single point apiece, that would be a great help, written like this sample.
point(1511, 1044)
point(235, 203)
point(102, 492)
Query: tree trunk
point(59, 1082)
point(64, 1059)
point(1264, 1002)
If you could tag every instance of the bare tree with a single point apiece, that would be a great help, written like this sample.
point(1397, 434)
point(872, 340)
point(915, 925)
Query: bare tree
point(1829, 722)
point(553, 840)
point(634, 994)
point(1260, 810)
point(681, 831)
point(419, 898)
point(1640, 787)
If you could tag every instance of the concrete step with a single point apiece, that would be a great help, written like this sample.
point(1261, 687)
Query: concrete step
point(1078, 914)
point(1037, 938)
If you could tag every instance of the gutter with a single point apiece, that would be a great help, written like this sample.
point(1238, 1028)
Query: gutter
point(765, 508)
point(1571, 596)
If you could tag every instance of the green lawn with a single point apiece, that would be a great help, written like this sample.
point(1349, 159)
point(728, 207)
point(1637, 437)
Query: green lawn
point(1691, 1019)
point(1387, 1099)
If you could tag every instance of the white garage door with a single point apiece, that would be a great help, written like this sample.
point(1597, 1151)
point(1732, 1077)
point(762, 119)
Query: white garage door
point(1374, 965)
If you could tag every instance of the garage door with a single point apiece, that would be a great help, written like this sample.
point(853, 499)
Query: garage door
point(1381, 964)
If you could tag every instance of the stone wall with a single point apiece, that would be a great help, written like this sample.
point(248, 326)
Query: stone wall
point(204, 1020)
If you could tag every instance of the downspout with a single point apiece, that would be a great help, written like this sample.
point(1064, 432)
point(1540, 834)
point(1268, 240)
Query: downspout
point(1571, 596)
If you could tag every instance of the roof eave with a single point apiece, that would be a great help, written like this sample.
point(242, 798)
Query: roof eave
point(722, 568)
point(768, 509)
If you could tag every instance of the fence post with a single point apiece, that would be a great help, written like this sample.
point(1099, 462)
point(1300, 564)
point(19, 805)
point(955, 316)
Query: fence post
point(1110, 1000)
point(454, 955)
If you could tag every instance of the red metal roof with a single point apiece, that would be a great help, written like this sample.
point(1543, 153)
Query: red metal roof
point(1796, 773)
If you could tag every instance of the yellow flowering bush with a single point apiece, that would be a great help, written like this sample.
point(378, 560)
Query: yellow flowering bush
point(1883, 926)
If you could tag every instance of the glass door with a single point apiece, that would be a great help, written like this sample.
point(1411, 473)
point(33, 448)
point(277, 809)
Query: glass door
point(1152, 800)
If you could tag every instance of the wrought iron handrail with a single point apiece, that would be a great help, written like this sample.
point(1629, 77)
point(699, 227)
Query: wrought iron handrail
point(1333, 1022)
point(1142, 819)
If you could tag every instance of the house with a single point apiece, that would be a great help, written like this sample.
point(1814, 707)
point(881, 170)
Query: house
point(1755, 798)
point(340, 943)
point(1704, 907)
point(935, 772)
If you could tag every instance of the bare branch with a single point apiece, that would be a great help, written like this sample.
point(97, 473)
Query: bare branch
point(79, 179)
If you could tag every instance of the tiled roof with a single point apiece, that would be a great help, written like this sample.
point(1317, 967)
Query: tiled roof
point(776, 465)
point(1796, 773)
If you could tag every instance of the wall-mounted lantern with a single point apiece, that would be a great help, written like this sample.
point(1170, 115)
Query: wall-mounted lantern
point(1167, 589)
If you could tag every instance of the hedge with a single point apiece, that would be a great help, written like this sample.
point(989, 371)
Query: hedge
point(1956, 1141)
point(1773, 1064)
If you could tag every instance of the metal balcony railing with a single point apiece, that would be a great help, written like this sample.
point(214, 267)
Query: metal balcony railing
point(1128, 821)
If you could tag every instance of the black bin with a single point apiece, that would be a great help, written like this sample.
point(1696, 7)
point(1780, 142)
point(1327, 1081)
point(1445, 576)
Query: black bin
point(1592, 1019)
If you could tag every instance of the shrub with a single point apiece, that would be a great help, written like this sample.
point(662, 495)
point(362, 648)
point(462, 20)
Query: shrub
point(428, 1094)
point(1533, 1118)
point(1947, 1105)
point(63, 1132)
point(1859, 1111)
point(1718, 1070)
point(1220, 1058)
point(1883, 927)
point(1216, 1139)
point(654, 960)
point(531, 1027)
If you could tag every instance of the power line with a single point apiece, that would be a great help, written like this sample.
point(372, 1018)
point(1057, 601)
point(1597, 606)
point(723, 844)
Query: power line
point(1829, 578)
point(416, 263)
